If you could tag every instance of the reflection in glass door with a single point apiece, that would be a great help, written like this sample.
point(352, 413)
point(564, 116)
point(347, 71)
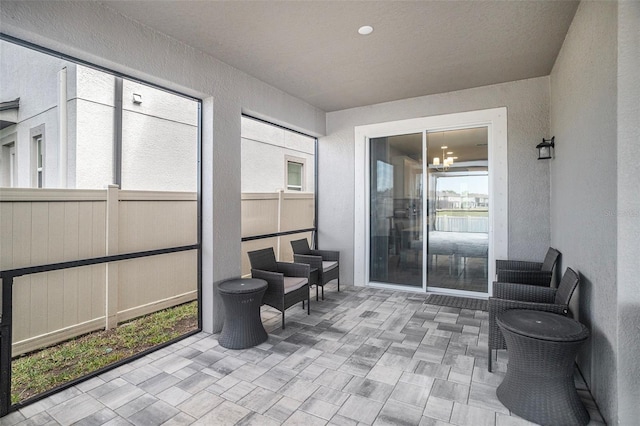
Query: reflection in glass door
point(458, 220)
point(396, 210)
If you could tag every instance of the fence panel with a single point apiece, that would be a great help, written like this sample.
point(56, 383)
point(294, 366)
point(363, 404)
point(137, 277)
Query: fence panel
point(48, 226)
point(297, 211)
point(44, 226)
point(259, 213)
point(272, 212)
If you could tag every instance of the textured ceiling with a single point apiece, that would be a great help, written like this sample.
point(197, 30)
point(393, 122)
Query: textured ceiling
point(311, 49)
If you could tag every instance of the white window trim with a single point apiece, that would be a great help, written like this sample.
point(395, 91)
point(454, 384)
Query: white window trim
point(291, 159)
point(9, 175)
point(35, 134)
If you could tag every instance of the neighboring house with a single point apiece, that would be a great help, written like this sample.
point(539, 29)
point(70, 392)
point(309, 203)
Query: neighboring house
point(274, 158)
point(57, 115)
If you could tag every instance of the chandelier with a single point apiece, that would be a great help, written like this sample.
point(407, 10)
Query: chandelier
point(447, 160)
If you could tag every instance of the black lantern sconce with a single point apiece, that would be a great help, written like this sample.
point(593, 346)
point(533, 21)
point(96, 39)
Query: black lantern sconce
point(545, 148)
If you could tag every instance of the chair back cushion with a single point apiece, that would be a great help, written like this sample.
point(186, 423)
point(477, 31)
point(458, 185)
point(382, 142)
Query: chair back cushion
point(567, 285)
point(264, 259)
point(300, 246)
point(550, 260)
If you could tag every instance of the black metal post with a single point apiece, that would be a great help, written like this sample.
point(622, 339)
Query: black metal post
point(5, 345)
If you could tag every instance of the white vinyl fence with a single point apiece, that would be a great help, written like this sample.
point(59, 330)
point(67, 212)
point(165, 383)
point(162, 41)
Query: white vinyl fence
point(462, 223)
point(44, 226)
point(271, 212)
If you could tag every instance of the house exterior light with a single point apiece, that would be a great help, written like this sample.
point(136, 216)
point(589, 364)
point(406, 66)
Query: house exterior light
point(545, 148)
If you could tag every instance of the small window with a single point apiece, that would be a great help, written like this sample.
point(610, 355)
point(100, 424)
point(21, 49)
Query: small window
point(38, 153)
point(294, 176)
point(39, 160)
point(8, 163)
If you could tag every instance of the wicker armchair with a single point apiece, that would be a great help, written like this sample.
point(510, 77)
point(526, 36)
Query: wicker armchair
point(327, 262)
point(524, 272)
point(521, 296)
point(288, 283)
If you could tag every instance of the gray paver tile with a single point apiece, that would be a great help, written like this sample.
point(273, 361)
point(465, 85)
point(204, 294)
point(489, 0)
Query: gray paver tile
point(450, 390)
point(334, 379)
point(98, 418)
point(372, 389)
point(238, 391)
point(121, 395)
point(39, 419)
point(174, 395)
point(275, 378)
point(438, 408)
point(155, 414)
point(319, 408)
point(136, 405)
point(361, 409)
point(75, 409)
point(300, 418)
point(227, 413)
point(384, 374)
point(466, 415)
point(484, 396)
point(259, 400)
point(179, 419)
point(396, 413)
point(31, 409)
point(15, 418)
point(507, 420)
point(281, 410)
point(255, 419)
point(413, 395)
point(331, 396)
point(199, 404)
point(299, 389)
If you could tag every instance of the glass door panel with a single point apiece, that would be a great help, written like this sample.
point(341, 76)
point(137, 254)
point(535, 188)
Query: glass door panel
point(396, 205)
point(458, 205)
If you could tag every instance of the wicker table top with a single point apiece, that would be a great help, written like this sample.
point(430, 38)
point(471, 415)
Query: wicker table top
point(542, 325)
point(242, 285)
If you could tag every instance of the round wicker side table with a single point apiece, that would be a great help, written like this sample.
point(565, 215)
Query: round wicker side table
point(539, 384)
point(242, 299)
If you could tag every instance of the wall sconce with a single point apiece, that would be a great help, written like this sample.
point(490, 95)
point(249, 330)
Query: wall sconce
point(545, 148)
point(137, 99)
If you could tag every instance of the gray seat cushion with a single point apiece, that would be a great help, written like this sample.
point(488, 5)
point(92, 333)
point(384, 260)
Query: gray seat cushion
point(328, 265)
point(293, 283)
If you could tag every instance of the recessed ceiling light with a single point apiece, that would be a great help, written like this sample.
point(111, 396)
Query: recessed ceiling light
point(365, 30)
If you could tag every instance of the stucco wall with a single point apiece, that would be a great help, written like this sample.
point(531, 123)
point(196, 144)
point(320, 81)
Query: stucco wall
point(583, 114)
point(527, 103)
point(265, 149)
point(628, 212)
point(38, 106)
point(93, 32)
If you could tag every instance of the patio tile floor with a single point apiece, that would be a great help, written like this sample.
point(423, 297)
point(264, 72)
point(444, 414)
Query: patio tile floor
point(363, 357)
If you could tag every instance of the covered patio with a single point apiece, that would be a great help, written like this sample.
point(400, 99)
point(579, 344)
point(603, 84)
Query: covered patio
point(363, 356)
point(366, 354)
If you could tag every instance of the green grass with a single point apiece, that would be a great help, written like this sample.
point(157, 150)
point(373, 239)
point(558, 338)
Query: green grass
point(39, 371)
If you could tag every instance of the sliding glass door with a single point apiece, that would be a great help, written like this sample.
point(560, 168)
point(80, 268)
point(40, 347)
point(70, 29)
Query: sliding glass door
point(458, 220)
point(429, 210)
point(396, 210)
